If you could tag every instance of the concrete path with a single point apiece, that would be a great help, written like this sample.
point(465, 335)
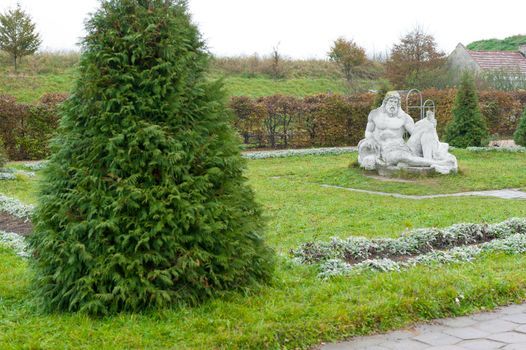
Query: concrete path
point(502, 329)
point(504, 194)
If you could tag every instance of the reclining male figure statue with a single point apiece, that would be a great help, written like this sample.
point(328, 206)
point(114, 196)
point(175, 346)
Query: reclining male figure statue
point(384, 140)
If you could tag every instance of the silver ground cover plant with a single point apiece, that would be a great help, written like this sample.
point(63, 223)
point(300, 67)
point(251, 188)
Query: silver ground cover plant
point(457, 243)
point(299, 152)
point(16, 208)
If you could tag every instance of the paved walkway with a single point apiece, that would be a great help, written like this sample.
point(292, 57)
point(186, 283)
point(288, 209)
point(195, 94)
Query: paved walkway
point(503, 329)
point(504, 194)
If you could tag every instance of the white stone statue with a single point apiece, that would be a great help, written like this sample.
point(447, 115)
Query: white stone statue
point(384, 146)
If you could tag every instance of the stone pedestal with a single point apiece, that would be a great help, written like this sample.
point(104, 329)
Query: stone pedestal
point(393, 171)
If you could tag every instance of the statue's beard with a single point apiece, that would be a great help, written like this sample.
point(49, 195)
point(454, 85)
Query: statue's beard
point(391, 111)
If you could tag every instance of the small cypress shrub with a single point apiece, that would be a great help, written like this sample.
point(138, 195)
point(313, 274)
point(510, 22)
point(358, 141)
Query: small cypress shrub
point(143, 203)
point(385, 87)
point(520, 134)
point(3, 154)
point(467, 128)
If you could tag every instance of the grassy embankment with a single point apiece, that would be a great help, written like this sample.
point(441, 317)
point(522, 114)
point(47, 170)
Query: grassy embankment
point(242, 76)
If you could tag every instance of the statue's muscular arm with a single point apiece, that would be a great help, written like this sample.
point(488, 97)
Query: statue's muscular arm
point(409, 124)
point(369, 129)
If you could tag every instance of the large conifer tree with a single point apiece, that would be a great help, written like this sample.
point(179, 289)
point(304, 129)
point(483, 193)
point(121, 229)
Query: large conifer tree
point(144, 203)
point(467, 128)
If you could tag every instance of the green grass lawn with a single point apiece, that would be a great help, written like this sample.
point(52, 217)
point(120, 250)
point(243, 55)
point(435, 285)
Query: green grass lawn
point(23, 188)
point(477, 171)
point(298, 310)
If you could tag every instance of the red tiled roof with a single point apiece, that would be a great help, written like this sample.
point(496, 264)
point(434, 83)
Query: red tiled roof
point(499, 60)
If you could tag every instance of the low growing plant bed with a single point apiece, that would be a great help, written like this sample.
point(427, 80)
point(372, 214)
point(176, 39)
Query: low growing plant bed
point(457, 243)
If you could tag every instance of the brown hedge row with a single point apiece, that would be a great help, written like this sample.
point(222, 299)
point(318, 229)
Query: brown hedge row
point(284, 121)
point(336, 120)
point(269, 122)
point(26, 129)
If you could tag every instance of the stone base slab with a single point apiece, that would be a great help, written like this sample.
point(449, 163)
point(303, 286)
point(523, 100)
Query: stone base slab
point(394, 171)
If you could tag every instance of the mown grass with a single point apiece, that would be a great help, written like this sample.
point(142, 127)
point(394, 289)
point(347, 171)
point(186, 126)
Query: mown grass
point(477, 171)
point(22, 188)
point(299, 310)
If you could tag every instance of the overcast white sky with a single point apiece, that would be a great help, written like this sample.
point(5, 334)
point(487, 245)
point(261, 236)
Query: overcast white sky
point(304, 28)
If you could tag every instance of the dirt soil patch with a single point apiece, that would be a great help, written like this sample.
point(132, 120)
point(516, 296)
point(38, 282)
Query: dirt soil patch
point(10, 223)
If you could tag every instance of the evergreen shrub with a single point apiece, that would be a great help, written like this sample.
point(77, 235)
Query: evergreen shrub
point(144, 203)
point(520, 134)
point(467, 128)
point(3, 154)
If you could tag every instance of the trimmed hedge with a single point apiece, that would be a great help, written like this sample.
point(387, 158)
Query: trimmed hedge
point(336, 120)
point(284, 121)
point(26, 129)
point(269, 122)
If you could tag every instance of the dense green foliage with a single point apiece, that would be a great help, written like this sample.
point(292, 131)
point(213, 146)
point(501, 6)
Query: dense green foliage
point(3, 154)
point(300, 310)
point(511, 43)
point(520, 134)
point(467, 127)
point(144, 204)
point(18, 36)
point(380, 94)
